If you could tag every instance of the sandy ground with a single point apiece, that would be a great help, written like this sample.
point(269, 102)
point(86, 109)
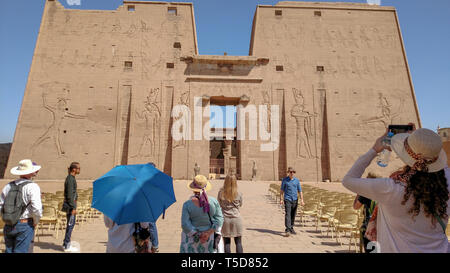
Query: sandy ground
point(263, 222)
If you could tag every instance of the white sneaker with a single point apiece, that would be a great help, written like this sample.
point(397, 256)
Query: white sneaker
point(71, 249)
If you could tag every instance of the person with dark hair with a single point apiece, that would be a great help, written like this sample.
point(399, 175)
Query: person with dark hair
point(369, 206)
point(70, 204)
point(412, 204)
point(289, 192)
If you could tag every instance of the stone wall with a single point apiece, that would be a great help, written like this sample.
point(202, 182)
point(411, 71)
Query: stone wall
point(103, 84)
point(5, 149)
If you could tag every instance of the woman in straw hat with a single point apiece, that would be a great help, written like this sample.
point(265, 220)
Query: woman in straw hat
point(200, 218)
point(413, 203)
point(230, 201)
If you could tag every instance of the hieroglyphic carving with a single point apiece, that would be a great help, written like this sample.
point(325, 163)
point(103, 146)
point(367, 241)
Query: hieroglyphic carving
point(387, 115)
point(359, 36)
point(304, 125)
point(59, 112)
point(152, 115)
point(184, 100)
point(267, 103)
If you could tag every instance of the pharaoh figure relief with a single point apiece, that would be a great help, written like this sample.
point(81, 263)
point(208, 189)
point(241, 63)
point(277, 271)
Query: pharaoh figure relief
point(184, 100)
point(266, 102)
point(151, 114)
point(59, 112)
point(387, 116)
point(303, 126)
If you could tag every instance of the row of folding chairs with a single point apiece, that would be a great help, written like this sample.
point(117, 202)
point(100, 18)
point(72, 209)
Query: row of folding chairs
point(53, 218)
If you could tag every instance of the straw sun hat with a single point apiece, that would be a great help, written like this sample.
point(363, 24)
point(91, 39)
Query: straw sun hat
point(25, 167)
point(422, 143)
point(200, 182)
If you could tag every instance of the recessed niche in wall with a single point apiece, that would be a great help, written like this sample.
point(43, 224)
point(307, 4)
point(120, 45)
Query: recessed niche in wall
point(177, 45)
point(65, 131)
point(320, 68)
point(278, 12)
point(279, 68)
point(172, 10)
point(170, 65)
point(317, 13)
point(128, 65)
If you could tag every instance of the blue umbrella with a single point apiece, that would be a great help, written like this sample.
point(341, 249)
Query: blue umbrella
point(133, 193)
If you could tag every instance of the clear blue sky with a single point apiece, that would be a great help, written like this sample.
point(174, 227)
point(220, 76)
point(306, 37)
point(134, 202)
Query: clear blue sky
point(225, 26)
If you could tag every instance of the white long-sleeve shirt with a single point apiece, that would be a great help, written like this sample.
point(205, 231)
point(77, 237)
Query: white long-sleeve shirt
point(120, 238)
point(31, 194)
point(397, 231)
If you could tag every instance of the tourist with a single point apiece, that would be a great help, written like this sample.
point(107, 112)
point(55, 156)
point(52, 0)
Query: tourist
point(153, 237)
point(369, 206)
point(290, 189)
point(413, 204)
point(230, 201)
point(201, 217)
point(19, 227)
point(153, 230)
point(120, 237)
point(70, 204)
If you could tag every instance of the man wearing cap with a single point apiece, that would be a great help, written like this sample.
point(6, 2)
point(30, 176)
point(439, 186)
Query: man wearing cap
point(18, 236)
point(290, 186)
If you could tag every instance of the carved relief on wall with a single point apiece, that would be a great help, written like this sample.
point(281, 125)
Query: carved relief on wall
point(355, 36)
point(59, 112)
point(151, 115)
point(387, 113)
point(304, 121)
point(183, 100)
point(267, 103)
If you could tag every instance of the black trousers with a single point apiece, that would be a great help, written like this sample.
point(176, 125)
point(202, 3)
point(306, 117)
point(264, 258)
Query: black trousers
point(290, 208)
point(237, 242)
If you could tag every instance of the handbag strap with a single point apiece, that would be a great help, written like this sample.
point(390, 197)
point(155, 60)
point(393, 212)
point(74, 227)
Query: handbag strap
point(440, 222)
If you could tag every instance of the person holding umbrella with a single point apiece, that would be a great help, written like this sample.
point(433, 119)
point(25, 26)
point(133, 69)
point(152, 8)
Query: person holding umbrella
point(120, 237)
point(201, 217)
point(131, 196)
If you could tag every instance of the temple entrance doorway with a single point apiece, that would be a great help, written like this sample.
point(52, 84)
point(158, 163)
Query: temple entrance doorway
point(224, 146)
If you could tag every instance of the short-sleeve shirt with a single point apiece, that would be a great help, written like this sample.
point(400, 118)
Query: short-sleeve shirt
point(290, 188)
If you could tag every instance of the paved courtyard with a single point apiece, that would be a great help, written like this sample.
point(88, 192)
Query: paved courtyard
point(263, 224)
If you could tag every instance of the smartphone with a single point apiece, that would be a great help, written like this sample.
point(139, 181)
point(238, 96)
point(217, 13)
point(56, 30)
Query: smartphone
point(398, 129)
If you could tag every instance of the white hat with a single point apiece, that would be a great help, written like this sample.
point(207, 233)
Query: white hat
point(25, 167)
point(422, 143)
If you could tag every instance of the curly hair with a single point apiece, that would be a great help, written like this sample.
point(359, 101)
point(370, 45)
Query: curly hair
point(429, 190)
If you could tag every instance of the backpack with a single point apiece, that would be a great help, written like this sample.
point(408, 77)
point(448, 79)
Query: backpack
point(13, 207)
point(141, 238)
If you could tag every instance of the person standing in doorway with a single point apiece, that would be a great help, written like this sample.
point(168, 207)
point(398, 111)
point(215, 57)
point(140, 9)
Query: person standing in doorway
point(290, 186)
point(70, 204)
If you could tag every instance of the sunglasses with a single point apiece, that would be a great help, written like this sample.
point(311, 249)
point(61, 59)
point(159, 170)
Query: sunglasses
point(292, 172)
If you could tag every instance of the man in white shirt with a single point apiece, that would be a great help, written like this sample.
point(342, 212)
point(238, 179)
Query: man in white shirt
point(18, 236)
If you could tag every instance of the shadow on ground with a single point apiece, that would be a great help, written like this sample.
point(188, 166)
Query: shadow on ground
point(45, 245)
point(262, 230)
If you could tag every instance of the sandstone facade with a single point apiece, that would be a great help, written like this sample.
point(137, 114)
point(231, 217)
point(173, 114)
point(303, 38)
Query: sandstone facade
point(103, 84)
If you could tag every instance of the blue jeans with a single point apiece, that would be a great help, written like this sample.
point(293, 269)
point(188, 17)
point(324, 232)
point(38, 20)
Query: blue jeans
point(18, 237)
point(71, 219)
point(153, 234)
